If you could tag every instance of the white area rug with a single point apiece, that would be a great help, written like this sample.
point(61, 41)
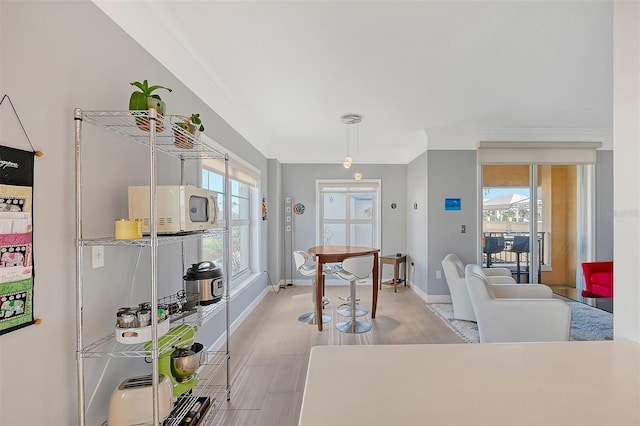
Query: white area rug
point(587, 323)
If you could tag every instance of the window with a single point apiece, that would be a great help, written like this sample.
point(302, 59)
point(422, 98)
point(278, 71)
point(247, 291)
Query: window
point(349, 213)
point(243, 218)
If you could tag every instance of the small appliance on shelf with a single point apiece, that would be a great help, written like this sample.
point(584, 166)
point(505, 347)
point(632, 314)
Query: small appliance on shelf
point(203, 284)
point(180, 208)
point(180, 357)
point(132, 401)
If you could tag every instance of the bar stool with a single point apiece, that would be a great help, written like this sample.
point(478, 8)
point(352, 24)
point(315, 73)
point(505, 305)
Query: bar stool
point(300, 258)
point(354, 269)
point(344, 309)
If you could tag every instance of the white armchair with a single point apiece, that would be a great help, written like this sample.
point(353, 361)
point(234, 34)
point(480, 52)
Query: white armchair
point(505, 287)
point(515, 320)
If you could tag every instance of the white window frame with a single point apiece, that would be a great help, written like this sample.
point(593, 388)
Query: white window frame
point(247, 175)
point(375, 184)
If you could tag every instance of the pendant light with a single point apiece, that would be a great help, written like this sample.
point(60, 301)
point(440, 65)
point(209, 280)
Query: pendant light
point(357, 175)
point(351, 119)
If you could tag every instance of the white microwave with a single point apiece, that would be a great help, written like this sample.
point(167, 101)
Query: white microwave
point(180, 208)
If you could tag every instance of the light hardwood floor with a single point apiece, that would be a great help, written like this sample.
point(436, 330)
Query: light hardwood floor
point(270, 350)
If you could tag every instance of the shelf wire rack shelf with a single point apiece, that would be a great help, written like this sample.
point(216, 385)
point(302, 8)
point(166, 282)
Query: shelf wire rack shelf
point(146, 241)
point(108, 346)
point(207, 385)
point(170, 138)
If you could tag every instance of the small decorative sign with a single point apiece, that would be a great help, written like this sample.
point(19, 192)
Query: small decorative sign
point(452, 204)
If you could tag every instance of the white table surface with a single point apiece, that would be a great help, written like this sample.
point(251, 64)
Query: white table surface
point(564, 383)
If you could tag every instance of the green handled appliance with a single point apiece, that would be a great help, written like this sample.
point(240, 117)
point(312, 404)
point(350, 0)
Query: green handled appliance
point(179, 357)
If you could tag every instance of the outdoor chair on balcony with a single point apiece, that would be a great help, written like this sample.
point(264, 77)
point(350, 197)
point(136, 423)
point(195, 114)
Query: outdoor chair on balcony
point(492, 245)
point(520, 245)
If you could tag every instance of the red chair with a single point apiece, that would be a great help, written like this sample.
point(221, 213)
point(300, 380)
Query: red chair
point(598, 279)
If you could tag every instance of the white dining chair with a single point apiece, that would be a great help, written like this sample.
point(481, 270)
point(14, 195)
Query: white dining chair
point(354, 269)
point(301, 258)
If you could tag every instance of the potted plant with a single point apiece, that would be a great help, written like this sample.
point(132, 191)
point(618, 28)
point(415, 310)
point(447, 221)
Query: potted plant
point(191, 125)
point(143, 99)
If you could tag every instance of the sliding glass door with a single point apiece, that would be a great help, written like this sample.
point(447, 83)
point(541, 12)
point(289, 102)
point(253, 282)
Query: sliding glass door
point(535, 220)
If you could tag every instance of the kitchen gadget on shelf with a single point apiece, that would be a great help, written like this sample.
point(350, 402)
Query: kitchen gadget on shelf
point(131, 402)
point(180, 357)
point(133, 325)
point(180, 208)
point(128, 229)
point(203, 284)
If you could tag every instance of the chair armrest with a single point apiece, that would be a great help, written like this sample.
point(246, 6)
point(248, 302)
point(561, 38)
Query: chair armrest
point(525, 320)
point(522, 291)
point(500, 279)
point(494, 272)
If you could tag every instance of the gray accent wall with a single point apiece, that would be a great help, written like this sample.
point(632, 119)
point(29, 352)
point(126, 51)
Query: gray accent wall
point(417, 229)
point(274, 223)
point(452, 174)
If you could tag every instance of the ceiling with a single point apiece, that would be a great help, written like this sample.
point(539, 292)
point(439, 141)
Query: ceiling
point(421, 73)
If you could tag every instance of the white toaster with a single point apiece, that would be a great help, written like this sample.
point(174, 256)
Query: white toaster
point(132, 401)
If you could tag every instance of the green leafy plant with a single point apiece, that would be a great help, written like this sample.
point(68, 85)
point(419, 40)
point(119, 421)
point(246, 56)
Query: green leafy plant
point(191, 124)
point(195, 120)
point(140, 99)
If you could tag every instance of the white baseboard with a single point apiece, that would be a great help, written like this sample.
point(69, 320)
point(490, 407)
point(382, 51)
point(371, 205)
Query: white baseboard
point(438, 298)
point(430, 298)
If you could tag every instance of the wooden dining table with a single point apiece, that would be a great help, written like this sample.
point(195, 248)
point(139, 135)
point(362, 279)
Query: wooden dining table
point(334, 254)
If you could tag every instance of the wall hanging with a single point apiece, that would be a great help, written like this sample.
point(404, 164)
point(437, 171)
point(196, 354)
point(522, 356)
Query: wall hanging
point(16, 235)
point(265, 208)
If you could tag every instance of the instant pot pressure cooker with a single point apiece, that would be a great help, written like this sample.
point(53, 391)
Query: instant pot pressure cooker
point(204, 284)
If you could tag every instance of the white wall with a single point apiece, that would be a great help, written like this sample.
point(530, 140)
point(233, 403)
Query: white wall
point(626, 157)
point(58, 55)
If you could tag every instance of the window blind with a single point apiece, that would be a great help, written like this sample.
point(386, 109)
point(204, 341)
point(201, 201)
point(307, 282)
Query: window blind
point(237, 171)
point(498, 152)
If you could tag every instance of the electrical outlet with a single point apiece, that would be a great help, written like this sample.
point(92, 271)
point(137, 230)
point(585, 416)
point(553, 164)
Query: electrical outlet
point(97, 257)
point(438, 275)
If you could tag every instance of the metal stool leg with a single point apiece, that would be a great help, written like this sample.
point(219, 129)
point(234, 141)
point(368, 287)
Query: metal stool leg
point(353, 325)
point(345, 310)
point(310, 318)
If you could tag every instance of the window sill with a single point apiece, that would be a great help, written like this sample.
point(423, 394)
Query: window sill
point(243, 284)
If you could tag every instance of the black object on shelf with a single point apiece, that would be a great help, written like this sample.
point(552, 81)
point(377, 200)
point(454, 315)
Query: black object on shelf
point(196, 412)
